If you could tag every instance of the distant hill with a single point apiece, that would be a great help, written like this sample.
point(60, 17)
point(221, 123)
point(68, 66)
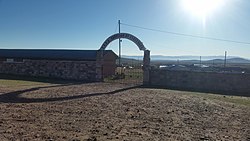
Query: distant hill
point(191, 59)
point(129, 61)
point(238, 60)
point(161, 57)
point(231, 60)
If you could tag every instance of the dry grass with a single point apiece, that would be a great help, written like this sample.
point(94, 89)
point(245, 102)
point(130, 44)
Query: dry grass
point(108, 111)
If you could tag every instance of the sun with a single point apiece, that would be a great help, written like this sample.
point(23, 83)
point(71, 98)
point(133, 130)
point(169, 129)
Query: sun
point(201, 8)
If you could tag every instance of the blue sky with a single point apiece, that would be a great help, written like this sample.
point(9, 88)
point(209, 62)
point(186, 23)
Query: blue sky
point(85, 24)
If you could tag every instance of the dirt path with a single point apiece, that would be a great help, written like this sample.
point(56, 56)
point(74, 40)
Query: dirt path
point(103, 111)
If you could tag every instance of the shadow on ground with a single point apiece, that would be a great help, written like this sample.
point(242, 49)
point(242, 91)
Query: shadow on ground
point(15, 97)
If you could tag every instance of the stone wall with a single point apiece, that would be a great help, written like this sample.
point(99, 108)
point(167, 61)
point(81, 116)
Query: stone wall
point(225, 83)
point(75, 70)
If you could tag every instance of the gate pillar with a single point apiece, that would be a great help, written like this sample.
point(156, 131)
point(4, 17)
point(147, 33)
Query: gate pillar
point(146, 67)
point(99, 65)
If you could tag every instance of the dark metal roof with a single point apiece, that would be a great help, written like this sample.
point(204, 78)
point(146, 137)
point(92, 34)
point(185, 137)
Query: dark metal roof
point(50, 54)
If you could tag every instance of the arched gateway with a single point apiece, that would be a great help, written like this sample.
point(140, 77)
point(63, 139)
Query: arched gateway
point(146, 58)
point(123, 35)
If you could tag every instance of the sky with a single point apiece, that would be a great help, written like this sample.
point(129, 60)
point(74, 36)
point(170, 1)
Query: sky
point(85, 24)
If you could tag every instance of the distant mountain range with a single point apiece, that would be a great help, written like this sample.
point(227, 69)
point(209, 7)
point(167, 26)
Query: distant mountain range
point(194, 59)
point(231, 60)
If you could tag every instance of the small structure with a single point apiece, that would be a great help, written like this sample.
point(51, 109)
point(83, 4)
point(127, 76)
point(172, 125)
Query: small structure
point(174, 67)
point(65, 64)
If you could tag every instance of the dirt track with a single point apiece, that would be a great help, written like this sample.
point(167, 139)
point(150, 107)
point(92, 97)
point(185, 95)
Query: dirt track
point(97, 111)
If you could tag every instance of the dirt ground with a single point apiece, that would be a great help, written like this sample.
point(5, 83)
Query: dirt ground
point(118, 112)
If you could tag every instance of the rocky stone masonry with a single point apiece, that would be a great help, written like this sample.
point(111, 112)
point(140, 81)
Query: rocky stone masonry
point(226, 83)
point(75, 70)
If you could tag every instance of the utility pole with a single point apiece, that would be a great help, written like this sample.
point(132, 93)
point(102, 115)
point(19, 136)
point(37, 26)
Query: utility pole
point(200, 61)
point(119, 22)
point(225, 61)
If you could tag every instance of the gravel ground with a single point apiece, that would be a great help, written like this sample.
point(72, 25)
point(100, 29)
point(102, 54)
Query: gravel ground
point(118, 112)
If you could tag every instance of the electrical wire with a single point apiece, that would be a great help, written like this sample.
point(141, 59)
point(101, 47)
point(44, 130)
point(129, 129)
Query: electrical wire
point(186, 35)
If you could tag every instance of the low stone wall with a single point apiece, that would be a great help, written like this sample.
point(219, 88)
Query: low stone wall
point(225, 83)
point(75, 70)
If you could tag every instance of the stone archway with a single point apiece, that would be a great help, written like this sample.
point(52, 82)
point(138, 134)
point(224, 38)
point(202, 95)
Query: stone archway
point(146, 58)
point(126, 36)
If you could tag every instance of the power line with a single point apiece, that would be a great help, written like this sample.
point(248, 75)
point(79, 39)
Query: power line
point(186, 35)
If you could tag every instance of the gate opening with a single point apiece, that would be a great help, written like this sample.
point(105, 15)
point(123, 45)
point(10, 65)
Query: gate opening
point(131, 70)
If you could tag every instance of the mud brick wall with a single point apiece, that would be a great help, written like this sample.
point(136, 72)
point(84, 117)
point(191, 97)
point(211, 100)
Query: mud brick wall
point(75, 70)
point(225, 83)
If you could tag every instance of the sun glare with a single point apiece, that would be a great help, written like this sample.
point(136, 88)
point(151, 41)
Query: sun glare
point(201, 8)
